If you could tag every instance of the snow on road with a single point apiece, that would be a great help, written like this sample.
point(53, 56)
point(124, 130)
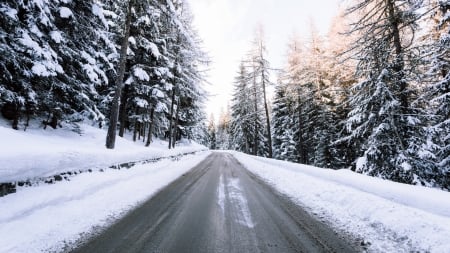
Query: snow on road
point(237, 198)
point(221, 194)
point(230, 190)
point(391, 217)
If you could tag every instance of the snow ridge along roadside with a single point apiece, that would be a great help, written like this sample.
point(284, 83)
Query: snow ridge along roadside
point(38, 153)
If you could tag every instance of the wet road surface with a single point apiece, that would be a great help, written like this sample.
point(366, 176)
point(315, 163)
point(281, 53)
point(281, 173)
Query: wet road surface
point(218, 207)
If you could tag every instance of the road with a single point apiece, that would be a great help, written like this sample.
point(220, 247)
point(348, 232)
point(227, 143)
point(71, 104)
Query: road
point(218, 207)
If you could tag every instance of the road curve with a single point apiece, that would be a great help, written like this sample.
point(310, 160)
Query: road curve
point(217, 207)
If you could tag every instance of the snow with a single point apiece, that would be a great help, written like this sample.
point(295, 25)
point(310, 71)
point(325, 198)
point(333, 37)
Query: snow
point(132, 40)
point(141, 74)
point(221, 194)
point(361, 163)
point(232, 190)
point(158, 93)
point(65, 12)
point(56, 36)
point(38, 153)
point(46, 68)
point(154, 49)
point(51, 217)
point(391, 217)
point(98, 11)
point(237, 197)
point(10, 12)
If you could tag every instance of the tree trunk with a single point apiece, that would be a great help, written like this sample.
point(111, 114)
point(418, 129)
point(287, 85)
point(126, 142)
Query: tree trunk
point(149, 137)
point(136, 125)
point(114, 115)
point(144, 128)
point(302, 151)
point(123, 111)
point(255, 134)
point(171, 117)
point(175, 129)
point(399, 65)
point(266, 108)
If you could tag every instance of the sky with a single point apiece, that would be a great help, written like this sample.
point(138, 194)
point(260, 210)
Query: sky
point(227, 28)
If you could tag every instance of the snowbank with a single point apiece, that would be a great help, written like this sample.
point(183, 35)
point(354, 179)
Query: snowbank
point(391, 217)
point(38, 153)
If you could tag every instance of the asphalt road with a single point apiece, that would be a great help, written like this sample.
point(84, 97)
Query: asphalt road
point(218, 207)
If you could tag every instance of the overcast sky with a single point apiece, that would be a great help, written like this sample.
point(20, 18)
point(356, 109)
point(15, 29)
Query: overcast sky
point(227, 28)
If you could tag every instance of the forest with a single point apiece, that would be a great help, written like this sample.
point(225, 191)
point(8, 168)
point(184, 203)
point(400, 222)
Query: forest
point(60, 64)
point(373, 95)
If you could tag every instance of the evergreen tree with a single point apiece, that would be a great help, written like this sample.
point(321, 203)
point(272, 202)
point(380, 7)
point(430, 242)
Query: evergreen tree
point(242, 137)
point(284, 128)
point(212, 133)
point(382, 121)
point(435, 149)
point(223, 130)
point(55, 59)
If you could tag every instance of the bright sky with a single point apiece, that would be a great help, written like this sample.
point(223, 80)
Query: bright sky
point(227, 28)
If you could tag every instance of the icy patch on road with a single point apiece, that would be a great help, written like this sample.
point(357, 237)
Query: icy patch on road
point(238, 199)
point(221, 194)
point(232, 191)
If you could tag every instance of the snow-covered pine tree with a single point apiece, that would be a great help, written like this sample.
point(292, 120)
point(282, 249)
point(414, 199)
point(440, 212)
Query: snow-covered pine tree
point(242, 137)
point(320, 116)
point(307, 78)
point(436, 95)
point(54, 56)
point(144, 98)
point(188, 78)
point(262, 67)
point(283, 124)
point(223, 130)
point(287, 127)
point(162, 95)
point(258, 67)
point(381, 120)
point(340, 72)
point(212, 139)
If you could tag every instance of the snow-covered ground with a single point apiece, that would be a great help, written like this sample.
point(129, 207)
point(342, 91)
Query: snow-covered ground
point(48, 217)
point(391, 217)
point(38, 153)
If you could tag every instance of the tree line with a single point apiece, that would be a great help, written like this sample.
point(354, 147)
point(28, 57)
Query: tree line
point(68, 61)
point(372, 96)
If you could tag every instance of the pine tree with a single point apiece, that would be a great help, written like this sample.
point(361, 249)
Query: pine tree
point(114, 114)
point(381, 121)
point(259, 74)
point(341, 75)
point(242, 137)
point(223, 130)
point(435, 149)
point(212, 133)
point(283, 123)
point(55, 60)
